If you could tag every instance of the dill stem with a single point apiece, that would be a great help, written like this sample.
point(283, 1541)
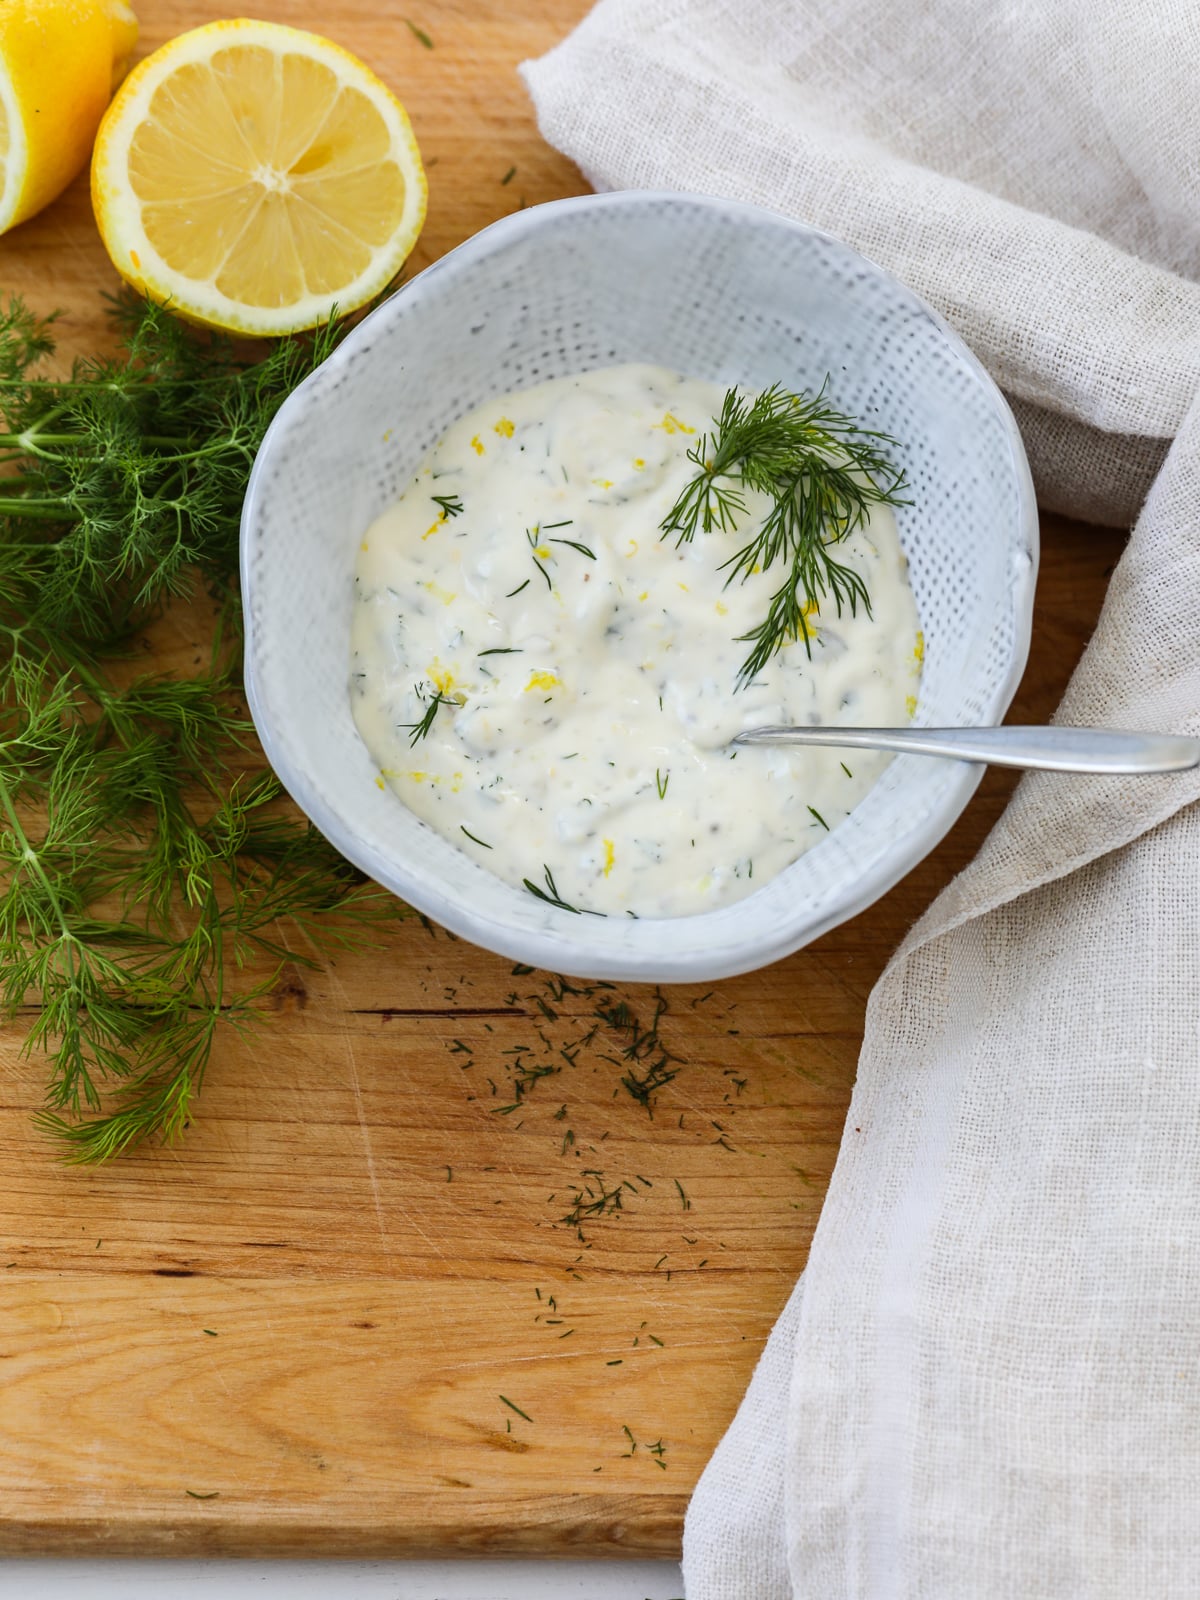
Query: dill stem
point(30, 444)
point(54, 510)
point(30, 437)
point(98, 385)
point(33, 863)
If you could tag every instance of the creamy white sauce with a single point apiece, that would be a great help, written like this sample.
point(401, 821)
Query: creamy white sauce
point(595, 688)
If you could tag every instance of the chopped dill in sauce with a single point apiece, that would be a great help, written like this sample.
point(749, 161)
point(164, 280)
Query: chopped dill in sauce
point(581, 724)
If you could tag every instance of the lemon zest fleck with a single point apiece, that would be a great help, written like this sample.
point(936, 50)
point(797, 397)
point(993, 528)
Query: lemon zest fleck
point(919, 647)
point(632, 551)
point(602, 483)
point(505, 428)
point(671, 424)
point(610, 856)
point(441, 677)
point(542, 680)
point(438, 593)
point(645, 595)
point(379, 783)
point(722, 609)
point(477, 445)
point(639, 463)
point(910, 704)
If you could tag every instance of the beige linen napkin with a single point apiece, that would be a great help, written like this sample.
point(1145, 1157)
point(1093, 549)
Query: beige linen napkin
point(987, 1384)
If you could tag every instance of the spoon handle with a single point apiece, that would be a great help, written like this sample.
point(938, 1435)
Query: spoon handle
point(1048, 749)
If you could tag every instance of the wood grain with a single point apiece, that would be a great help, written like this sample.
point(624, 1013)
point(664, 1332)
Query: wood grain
point(292, 1333)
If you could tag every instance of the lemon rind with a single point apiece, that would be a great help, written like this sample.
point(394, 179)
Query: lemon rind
point(16, 157)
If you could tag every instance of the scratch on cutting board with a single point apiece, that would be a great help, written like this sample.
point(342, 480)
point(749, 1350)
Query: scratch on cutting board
point(365, 1130)
point(368, 1151)
point(359, 1108)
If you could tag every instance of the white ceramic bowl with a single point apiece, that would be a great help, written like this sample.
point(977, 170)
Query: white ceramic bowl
point(718, 290)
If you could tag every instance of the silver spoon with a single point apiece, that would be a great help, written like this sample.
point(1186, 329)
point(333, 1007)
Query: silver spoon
point(1044, 748)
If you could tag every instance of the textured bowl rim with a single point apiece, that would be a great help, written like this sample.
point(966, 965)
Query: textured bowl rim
point(566, 948)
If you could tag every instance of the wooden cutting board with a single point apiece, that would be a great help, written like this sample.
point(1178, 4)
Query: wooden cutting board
point(346, 1316)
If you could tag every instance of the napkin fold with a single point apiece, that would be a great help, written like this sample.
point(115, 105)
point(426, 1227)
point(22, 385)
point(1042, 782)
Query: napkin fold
point(986, 1383)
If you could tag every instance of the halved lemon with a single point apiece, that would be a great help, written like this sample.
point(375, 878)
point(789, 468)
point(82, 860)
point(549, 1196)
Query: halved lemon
point(59, 63)
point(253, 176)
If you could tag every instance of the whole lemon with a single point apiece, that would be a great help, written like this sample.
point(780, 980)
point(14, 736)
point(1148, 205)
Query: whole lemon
point(60, 61)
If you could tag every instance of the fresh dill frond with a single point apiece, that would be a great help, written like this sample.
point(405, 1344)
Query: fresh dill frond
point(449, 504)
point(145, 856)
point(821, 471)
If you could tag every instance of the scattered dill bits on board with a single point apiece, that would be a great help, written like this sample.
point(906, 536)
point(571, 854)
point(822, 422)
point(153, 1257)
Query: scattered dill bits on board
point(144, 853)
point(418, 34)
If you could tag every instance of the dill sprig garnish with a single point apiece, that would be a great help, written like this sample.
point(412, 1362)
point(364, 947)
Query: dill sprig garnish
point(822, 473)
point(145, 856)
point(449, 504)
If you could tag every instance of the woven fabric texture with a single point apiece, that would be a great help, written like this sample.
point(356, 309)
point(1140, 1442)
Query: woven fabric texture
point(986, 1383)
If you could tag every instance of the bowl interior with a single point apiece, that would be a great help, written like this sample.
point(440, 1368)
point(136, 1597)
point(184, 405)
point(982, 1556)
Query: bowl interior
point(716, 290)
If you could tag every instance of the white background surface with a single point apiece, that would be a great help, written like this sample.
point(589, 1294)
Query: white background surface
point(333, 1580)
